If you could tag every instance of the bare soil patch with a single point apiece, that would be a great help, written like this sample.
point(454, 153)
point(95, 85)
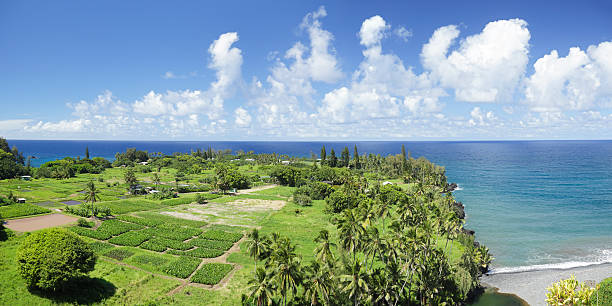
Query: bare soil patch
point(40, 222)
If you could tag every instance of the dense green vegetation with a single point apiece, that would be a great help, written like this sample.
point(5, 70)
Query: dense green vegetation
point(52, 258)
point(331, 233)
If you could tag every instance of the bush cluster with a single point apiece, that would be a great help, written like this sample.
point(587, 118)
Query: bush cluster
point(84, 210)
point(211, 273)
point(51, 258)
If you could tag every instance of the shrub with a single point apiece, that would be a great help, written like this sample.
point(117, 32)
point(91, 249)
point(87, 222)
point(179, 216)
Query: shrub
point(51, 258)
point(130, 238)
point(211, 273)
point(319, 190)
point(82, 222)
point(340, 200)
point(569, 292)
point(119, 254)
point(221, 235)
point(211, 244)
point(603, 295)
point(182, 267)
point(302, 200)
point(201, 199)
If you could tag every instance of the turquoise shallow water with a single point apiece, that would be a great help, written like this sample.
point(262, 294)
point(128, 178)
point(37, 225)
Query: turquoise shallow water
point(535, 204)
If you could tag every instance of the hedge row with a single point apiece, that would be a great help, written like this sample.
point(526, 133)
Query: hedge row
point(211, 273)
point(119, 254)
point(141, 221)
point(211, 244)
point(130, 238)
point(221, 235)
point(182, 267)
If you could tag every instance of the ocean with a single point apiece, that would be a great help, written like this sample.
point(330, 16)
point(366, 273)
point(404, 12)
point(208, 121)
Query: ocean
point(535, 204)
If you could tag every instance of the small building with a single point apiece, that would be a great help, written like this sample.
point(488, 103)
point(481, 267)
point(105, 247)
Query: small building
point(285, 162)
point(387, 183)
point(26, 177)
point(144, 163)
point(153, 191)
point(250, 160)
point(21, 200)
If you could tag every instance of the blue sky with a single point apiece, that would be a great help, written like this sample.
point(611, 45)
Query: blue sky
point(286, 70)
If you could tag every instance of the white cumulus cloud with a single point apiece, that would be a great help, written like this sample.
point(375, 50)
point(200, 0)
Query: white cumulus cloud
point(486, 67)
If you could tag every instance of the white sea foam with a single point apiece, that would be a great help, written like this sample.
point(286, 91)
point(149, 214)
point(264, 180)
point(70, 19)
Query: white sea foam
point(603, 257)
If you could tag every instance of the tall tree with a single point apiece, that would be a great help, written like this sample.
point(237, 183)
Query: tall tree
point(346, 157)
point(262, 288)
point(86, 152)
point(156, 179)
point(130, 178)
point(356, 158)
point(333, 160)
point(255, 245)
point(323, 155)
point(91, 196)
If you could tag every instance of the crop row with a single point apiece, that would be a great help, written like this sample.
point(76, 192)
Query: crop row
point(108, 229)
point(221, 235)
point(198, 252)
point(116, 227)
point(134, 238)
point(119, 254)
point(211, 273)
point(100, 247)
point(149, 259)
point(211, 244)
point(141, 221)
point(173, 232)
point(182, 267)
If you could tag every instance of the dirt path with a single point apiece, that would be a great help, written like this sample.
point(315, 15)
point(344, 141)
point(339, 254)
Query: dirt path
point(40, 222)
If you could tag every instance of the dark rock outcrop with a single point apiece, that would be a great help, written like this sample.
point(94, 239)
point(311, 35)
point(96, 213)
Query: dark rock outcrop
point(459, 210)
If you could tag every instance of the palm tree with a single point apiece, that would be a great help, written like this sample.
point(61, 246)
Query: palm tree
point(262, 288)
point(156, 179)
point(319, 283)
point(91, 196)
point(288, 276)
point(323, 251)
point(355, 283)
point(255, 245)
point(350, 230)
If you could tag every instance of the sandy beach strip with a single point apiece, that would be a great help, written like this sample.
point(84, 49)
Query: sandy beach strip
point(531, 286)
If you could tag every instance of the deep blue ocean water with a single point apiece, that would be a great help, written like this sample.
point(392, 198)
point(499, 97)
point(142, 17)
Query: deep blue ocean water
point(535, 204)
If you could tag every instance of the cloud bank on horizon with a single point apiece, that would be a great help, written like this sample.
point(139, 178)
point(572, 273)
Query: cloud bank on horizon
point(308, 94)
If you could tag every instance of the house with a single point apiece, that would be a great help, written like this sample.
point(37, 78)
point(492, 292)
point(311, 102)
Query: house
point(387, 183)
point(285, 162)
point(144, 163)
point(26, 177)
point(21, 200)
point(250, 160)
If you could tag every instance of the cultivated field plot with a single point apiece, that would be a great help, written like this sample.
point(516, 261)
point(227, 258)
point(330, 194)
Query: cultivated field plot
point(39, 222)
point(164, 244)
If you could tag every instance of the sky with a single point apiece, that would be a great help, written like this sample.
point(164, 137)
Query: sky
point(306, 70)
